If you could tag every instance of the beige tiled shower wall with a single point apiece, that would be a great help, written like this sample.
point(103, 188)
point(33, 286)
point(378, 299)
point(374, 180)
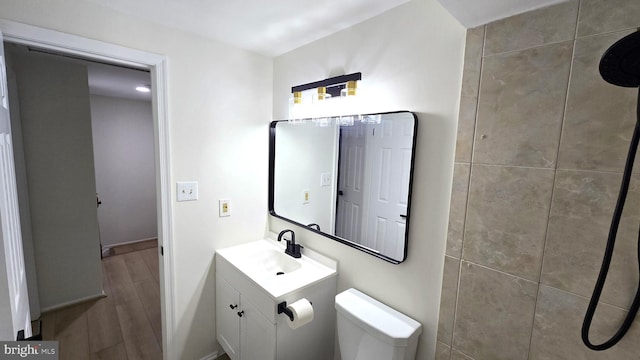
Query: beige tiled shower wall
point(541, 146)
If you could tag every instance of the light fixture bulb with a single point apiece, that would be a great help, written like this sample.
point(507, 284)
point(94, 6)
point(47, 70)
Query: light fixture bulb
point(321, 107)
point(347, 120)
point(351, 88)
point(371, 119)
point(322, 121)
point(143, 88)
point(322, 93)
point(297, 97)
point(298, 110)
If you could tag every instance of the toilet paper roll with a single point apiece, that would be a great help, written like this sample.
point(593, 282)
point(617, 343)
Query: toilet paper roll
point(302, 313)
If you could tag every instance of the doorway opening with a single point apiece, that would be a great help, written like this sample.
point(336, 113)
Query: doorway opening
point(85, 132)
point(21, 34)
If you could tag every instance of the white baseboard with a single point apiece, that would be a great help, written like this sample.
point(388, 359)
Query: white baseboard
point(73, 302)
point(212, 356)
point(106, 249)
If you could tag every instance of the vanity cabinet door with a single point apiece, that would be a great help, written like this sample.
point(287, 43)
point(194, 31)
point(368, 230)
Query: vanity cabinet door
point(258, 335)
point(227, 318)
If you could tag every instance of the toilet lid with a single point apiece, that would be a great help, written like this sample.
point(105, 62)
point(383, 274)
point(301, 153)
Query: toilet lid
point(387, 324)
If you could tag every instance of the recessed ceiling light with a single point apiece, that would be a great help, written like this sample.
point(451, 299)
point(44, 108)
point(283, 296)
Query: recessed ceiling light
point(143, 88)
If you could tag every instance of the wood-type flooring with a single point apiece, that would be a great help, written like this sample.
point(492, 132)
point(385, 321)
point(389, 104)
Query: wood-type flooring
point(124, 325)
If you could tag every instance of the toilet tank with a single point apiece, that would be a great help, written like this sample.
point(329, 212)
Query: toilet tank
point(371, 330)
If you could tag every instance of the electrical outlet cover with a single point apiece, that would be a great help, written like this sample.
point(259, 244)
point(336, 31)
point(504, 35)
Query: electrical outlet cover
point(224, 207)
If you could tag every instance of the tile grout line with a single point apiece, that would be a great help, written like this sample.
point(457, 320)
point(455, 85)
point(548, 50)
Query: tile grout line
point(455, 310)
point(509, 52)
point(609, 32)
point(616, 172)
point(499, 271)
point(477, 108)
point(585, 297)
point(553, 184)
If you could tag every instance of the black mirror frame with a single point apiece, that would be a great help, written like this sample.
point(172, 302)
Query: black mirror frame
point(271, 199)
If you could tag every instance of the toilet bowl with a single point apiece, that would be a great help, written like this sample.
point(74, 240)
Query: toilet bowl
point(370, 330)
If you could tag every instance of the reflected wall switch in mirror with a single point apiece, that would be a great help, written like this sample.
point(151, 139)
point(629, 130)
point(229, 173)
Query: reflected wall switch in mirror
point(325, 179)
point(187, 190)
point(305, 196)
point(224, 207)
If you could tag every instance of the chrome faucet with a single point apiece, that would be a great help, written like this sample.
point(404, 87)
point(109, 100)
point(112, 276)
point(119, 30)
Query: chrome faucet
point(292, 249)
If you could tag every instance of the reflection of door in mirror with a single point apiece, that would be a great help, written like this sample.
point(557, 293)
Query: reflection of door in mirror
point(353, 181)
point(374, 168)
point(351, 171)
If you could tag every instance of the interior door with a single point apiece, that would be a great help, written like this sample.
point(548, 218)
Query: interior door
point(14, 298)
point(351, 170)
point(390, 146)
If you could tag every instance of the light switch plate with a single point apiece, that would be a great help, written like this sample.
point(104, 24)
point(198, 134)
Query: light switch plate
point(325, 179)
point(187, 190)
point(306, 196)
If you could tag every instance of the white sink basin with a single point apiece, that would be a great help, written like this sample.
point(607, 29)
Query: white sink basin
point(266, 264)
point(276, 262)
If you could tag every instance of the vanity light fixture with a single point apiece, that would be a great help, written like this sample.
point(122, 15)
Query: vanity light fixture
point(331, 100)
point(143, 88)
point(321, 107)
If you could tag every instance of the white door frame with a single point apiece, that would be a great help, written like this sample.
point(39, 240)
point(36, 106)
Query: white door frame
point(157, 64)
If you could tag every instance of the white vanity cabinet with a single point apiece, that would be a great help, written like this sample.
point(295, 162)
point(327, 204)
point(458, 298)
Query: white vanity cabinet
point(242, 330)
point(248, 326)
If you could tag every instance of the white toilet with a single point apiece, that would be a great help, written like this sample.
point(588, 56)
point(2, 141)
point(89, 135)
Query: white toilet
point(370, 330)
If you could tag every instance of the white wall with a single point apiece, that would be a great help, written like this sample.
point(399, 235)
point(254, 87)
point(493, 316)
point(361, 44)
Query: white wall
point(298, 169)
point(125, 169)
point(411, 59)
point(55, 120)
point(219, 107)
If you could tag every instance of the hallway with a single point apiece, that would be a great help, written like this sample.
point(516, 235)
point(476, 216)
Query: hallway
point(124, 325)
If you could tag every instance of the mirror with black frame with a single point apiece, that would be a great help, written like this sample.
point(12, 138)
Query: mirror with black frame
point(349, 183)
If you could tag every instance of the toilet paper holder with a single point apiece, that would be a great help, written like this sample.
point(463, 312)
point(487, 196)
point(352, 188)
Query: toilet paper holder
point(282, 308)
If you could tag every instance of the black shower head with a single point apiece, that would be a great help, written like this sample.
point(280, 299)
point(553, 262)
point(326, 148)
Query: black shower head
point(620, 64)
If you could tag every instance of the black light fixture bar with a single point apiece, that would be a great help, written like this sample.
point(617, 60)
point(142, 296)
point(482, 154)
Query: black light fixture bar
point(342, 79)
